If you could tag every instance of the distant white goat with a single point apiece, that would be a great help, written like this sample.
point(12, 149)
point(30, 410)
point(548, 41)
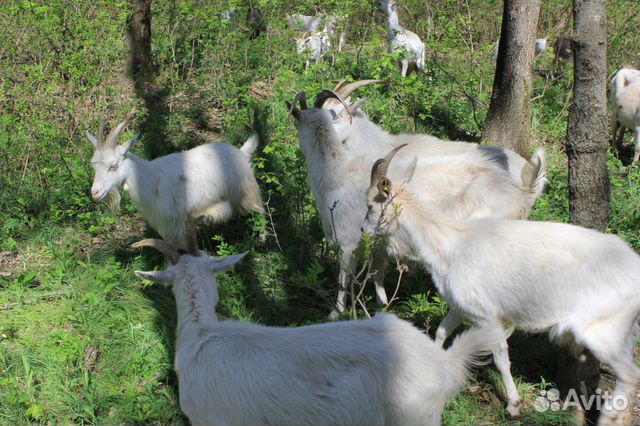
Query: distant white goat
point(305, 23)
point(173, 193)
point(463, 179)
point(314, 46)
point(541, 45)
point(401, 40)
point(581, 286)
point(377, 372)
point(625, 100)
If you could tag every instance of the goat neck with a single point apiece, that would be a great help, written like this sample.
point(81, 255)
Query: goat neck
point(195, 303)
point(433, 241)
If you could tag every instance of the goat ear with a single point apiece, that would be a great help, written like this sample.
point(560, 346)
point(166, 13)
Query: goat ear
point(124, 148)
point(92, 138)
point(161, 277)
point(227, 262)
point(407, 173)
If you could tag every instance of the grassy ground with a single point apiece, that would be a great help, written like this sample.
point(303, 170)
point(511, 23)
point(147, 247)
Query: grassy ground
point(82, 341)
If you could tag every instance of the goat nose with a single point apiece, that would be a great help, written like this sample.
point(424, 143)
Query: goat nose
point(362, 229)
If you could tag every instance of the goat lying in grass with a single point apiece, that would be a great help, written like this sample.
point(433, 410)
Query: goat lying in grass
point(173, 193)
point(362, 373)
point(464, 179)
point(581, 286)
point(625, 99)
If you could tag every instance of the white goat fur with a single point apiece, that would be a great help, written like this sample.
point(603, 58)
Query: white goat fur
point(339, 155)
point(580, 285)
point(382, 371)
point(314, 46)
point(625, 99)
point(400, 39)
point(541, 45)
point(304, 23)
point(211, 182)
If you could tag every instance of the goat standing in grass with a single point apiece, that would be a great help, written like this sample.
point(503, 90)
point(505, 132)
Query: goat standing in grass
point(625, 114)
point(377, 372)
point(173, 193)
point(314, 46)
point(581, 286)
point(401, 40)
point(339, 146)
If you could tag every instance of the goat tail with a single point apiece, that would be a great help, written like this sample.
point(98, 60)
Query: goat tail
point(250, 145)
point(472, 347)
point(538, 175)
point(251, 199)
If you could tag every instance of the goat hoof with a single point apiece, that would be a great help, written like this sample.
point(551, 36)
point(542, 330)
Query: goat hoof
point(514, 410)
point(333, 315)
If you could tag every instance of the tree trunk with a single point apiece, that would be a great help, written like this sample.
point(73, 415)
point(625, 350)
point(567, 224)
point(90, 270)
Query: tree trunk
point(587, 145)
point(508, 122)
point(587, 132)
point(139, 66)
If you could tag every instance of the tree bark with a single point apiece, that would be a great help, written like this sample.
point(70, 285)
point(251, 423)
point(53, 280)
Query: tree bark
point(587, 145)
point(508, 122)
point(587, 131)
point(139, 66)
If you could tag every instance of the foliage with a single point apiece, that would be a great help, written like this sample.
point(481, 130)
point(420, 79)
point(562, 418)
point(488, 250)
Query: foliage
point(83, 341)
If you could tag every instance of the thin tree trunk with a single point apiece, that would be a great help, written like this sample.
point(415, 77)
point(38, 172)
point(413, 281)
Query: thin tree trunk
point(139, 66)
point(587, 145)
point(508, 122)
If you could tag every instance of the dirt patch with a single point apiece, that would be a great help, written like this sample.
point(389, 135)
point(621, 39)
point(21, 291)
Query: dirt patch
point(9, 264)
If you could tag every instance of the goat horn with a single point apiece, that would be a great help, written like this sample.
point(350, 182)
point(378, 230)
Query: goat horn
point(101, 133)
point(328, 94)
point(346, 91)
point(354, 107)
point(380, 167)
point(115, 132)
point(300, 97)
point(162, 246)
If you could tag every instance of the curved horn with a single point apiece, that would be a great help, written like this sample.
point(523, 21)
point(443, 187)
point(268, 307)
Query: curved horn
point(380, 167)
point(328, 94)
point(354, 107)
point(346, 91)
point(300, 97)
point(162, 246)
point(115, 132)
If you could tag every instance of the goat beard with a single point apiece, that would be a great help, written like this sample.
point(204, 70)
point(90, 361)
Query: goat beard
point(113, 200)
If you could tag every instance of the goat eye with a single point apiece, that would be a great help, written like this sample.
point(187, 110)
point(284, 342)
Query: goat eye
point(113, 166)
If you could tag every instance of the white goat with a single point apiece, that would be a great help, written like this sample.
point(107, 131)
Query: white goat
point(339, 154)
point(378, 372)
point(625, 99)
point(314, 46)
point(304, 23)
point(173, 193)
point(401, 40)
point(541, 45)
point(580, 285)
